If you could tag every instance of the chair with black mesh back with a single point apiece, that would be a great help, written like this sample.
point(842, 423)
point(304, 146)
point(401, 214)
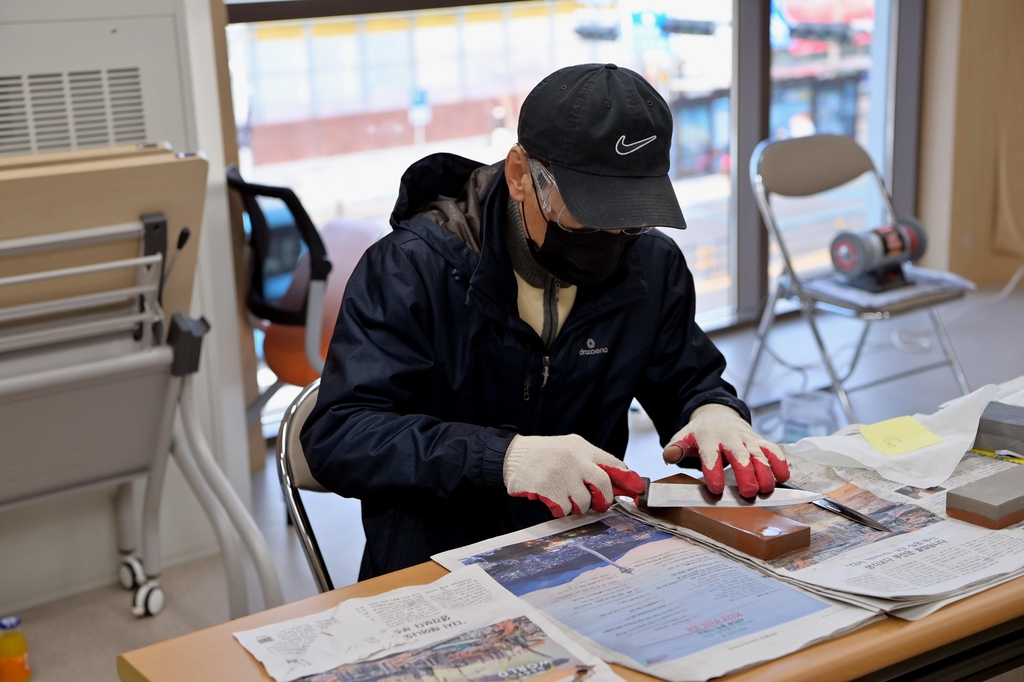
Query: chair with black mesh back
point(297, 276)
point(295, 476)
point(806, 166)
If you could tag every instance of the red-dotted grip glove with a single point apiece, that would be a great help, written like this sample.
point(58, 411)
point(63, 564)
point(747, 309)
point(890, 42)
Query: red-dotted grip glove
point(716, 432)
point(567, 473)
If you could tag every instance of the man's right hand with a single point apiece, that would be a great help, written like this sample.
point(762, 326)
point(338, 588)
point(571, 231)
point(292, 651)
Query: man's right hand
point(566, 473)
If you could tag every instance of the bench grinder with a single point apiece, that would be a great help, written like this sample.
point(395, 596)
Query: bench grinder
point(873, 259)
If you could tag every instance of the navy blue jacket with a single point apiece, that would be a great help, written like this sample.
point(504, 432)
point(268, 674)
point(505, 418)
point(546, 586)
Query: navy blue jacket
point(431, 371)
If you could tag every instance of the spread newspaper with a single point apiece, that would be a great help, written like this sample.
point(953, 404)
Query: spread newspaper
point(927, 561)
point(464, 626)
point(648, 600)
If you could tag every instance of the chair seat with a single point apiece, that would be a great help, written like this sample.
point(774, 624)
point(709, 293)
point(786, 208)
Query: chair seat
point(928, 288)
point(285, 353)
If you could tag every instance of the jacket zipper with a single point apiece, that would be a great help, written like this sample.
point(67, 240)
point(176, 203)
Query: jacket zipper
point(526, 387)
point(538, 408)
point(550, 330)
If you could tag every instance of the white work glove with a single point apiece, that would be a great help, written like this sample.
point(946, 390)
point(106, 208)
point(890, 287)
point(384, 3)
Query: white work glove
point(717, 431)
point(567, 473)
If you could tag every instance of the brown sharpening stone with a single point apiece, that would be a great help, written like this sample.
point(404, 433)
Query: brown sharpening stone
point(994, 502)
point(752, 530)
point(1001, 428)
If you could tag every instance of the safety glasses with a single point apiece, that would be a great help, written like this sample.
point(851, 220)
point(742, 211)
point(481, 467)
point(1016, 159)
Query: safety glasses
point(551, 201)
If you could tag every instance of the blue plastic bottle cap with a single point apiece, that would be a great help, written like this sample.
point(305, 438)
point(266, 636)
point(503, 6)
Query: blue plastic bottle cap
point(9, 623)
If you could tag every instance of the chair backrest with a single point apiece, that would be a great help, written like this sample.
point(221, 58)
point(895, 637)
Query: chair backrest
point(346, 239)
point(280, 233)
point(803, 166)
point(289, 447)
point(808, 165)
point(295, 475)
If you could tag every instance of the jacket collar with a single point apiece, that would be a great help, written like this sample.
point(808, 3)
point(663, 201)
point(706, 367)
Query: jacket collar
point(492, 284)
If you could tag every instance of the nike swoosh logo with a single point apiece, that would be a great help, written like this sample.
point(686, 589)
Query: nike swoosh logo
point(622, 148)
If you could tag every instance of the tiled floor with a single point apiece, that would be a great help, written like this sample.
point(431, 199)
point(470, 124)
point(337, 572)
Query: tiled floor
point(78, 638)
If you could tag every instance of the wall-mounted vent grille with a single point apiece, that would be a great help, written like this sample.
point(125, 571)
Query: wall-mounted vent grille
point(126, 105)
point(49, 111)
point(89, 108)
point(15, 137)
point(58, 111)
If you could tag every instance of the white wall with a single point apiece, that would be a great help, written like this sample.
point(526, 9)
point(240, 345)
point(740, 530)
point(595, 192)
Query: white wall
point(215, 281)
point(938, 128)
point(54, 548)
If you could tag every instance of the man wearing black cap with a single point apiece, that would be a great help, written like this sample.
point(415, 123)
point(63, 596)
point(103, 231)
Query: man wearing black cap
point(488, 349)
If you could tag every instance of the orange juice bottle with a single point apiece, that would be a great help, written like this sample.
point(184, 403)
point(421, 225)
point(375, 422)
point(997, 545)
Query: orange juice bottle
point(14, 663)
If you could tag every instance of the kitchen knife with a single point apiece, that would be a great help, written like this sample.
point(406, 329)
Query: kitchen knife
point(683, 495)
point(826, 503)
point(831, 505)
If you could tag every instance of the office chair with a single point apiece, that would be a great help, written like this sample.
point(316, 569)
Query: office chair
point(294, 474)
point(810, 165)
point(297, 277)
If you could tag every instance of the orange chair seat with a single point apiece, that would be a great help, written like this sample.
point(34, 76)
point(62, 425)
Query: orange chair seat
point(285, 354)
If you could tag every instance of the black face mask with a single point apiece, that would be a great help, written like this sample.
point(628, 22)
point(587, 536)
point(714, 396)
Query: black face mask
point(580, 258)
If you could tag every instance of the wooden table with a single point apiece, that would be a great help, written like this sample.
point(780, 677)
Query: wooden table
point(981, 632)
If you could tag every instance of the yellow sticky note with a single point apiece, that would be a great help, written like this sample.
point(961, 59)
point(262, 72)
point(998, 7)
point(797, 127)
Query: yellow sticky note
point(898, 436)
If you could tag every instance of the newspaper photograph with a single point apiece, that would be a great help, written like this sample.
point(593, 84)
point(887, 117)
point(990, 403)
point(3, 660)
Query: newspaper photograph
point(513, 649)
point(972, 468)
point(928, 556)
point(927, 561)
point(832, 535)
point(651, 601)
point(463, 626)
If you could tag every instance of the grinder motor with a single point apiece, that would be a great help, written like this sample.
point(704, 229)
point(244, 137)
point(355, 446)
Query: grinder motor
point(873, 259)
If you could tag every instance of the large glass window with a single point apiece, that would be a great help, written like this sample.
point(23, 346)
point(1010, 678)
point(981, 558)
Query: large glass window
point(822, 75)
point(337, 108)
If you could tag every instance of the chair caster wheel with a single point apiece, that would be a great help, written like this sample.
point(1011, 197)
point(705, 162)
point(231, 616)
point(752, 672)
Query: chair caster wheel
point(130, 573)
point(148, 600)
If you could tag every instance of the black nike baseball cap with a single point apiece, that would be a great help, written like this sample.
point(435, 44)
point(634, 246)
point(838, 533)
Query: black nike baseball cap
point(606, 135)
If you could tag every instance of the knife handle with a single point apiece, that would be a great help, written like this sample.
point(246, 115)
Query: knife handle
point(641, 499)
point(626, 483)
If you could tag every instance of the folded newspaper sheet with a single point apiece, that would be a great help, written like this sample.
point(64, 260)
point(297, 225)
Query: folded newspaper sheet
point(654, 602)
point(463, 626)
point(928, 561)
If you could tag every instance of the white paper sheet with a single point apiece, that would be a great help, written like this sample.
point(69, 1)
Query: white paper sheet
point(463, 626)
point(284, 640)
point(654, 602)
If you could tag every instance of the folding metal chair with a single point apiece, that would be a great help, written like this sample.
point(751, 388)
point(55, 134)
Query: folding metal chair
point(810, 165)
point(295, 476)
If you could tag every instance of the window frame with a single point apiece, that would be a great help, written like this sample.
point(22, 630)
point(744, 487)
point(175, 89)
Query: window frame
point(900, 23)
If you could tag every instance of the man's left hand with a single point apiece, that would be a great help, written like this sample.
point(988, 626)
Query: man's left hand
point(717, 432)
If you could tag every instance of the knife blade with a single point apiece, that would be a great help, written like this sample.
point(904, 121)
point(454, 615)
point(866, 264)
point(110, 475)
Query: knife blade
point(826, 503)
point(683, 495)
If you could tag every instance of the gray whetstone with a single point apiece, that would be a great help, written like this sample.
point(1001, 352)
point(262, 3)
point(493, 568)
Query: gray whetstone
point(993, 497)
point(1001, 428)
